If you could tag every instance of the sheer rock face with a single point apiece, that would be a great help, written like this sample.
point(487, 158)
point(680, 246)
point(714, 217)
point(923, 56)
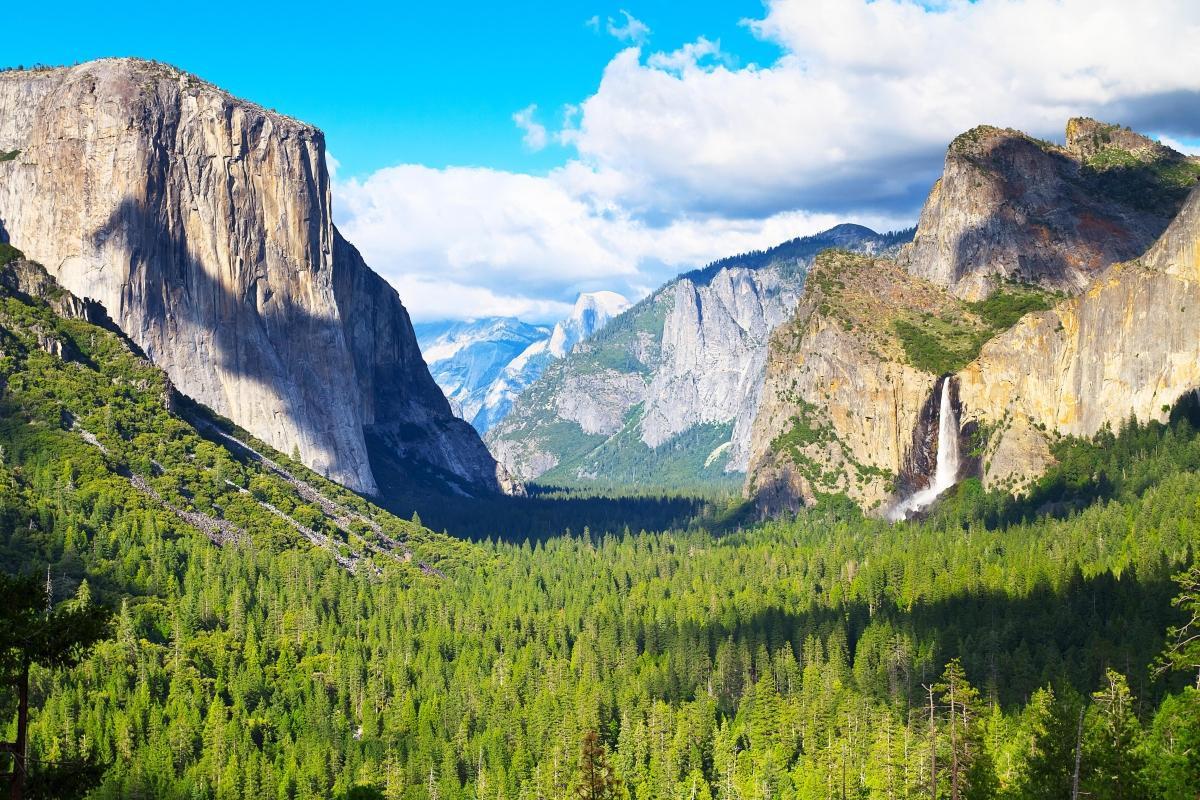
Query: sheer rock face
point(1011, 206)
point(1127, 347)
point(705, 366)
point(714, 353)
point(202, 224)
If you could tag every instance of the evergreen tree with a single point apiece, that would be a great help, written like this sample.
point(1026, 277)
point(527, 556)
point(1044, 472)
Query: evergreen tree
point(34, 632)
point(595, 779)
point(1112, 763)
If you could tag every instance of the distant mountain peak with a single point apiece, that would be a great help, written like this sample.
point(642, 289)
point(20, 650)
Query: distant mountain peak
point(482, 364)
point(592, 312)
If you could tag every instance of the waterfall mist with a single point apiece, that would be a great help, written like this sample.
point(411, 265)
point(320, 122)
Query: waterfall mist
point(945, 473)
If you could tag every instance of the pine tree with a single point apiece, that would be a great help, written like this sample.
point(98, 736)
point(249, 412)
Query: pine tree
point(596, 780)
point(960, 700)
point(1111, 759)
point(32, 632)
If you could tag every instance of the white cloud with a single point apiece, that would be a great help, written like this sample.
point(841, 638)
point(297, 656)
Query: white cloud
point(468, 242)
point(593, 22)
point(535, 136)
point(1190, 147)
point(679, 157)
point(632, 30)
point(689, 57)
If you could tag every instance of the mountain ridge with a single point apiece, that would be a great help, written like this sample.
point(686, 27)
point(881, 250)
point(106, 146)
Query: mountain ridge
point(1092, 341)
point(482, 365)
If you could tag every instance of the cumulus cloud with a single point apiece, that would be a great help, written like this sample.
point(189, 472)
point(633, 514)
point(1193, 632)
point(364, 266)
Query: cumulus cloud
point(679, 157)
point(535, 136)
point(1188, 148)
point(469, 242)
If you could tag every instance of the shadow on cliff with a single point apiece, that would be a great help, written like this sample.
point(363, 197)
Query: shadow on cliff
point(302, 361)
point(1098, 216)
point(264, 339)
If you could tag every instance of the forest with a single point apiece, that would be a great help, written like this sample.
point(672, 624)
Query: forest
point(267, 634)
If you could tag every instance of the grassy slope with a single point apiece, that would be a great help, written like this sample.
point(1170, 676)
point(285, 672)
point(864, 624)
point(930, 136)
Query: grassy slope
point(903, 318)
point(96, 420)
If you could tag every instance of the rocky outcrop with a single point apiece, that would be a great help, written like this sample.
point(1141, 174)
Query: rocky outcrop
point(1013, 207)
point(714, 352)
point(591, 312)
point(684, 365)
point(202, 224)
point(1126, 348)
point(839, 402)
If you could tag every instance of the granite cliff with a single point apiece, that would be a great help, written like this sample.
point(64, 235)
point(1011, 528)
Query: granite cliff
point(1125, 348)
point(202, 225)
point(1014, 207)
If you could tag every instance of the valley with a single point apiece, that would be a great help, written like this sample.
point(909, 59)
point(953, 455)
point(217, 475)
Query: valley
point(910, 514)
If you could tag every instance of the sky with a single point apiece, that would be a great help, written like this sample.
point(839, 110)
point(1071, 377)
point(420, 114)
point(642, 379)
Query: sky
point(497, 159)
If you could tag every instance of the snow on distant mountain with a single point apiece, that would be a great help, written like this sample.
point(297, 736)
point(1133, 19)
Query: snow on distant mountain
point(592, 312)
point(483, 364)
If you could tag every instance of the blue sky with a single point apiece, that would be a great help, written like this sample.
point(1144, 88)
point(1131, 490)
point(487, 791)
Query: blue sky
point(500, 158)
point(428, 83)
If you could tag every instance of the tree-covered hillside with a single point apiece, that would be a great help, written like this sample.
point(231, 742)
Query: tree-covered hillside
point(984, 652)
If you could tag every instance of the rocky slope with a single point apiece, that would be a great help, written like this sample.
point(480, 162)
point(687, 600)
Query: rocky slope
point(1127, 347)
point(665, 395)
point(472, 361)
point(482, 365)
point(1011, 206)
point(202, 224)
point(848, 400)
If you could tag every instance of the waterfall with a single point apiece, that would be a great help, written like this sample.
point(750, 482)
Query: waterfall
point(945, 472)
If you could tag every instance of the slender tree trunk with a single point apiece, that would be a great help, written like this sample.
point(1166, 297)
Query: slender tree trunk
point(1078, 758)
point(953, 747)
point(17, 787)
point(932, 747)
point(887, 744)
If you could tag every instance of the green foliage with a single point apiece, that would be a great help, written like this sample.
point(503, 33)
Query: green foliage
point(9, 253)
point(1157, 185)
point(785, 658)
point(690, 461)
point(927, 351)
point(1011, 301)
point(942, 345)
point(9, 155)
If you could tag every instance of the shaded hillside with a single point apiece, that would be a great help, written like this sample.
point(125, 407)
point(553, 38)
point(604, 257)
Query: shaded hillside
point(85, 411)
